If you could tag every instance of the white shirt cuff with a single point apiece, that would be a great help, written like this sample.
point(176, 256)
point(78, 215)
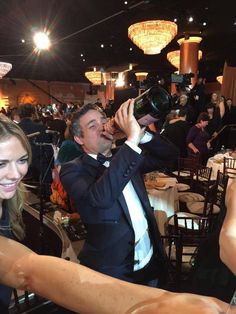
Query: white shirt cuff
point(147, 137)
point(134, 147)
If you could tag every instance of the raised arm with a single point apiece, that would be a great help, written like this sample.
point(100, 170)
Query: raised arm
point(228, 231)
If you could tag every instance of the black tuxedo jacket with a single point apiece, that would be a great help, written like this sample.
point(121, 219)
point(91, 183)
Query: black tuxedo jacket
point(97, 193)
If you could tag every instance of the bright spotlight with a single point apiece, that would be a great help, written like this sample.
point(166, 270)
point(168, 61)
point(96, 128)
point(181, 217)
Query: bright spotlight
point(42, 41)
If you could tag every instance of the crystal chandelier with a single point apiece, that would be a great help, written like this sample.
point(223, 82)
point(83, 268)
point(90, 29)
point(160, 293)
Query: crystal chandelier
point(152, 36)
point(4, 68)
point(174, 57)
point(95, 77)
point(219, 79)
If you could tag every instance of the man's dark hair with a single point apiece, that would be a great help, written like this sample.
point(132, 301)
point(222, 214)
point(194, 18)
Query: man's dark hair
point(210, 106)
point(203, 116)
point(27, 110)
point(75, 123)
point(182, 112)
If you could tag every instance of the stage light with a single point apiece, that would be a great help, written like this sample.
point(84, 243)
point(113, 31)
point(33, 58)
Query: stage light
point(42, 41)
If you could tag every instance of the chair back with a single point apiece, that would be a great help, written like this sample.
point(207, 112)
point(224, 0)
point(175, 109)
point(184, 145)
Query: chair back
point(191, 232)
point(172, 248)
point(215, 195)
point(187, 168)
point(203, 179)
point(230, 167)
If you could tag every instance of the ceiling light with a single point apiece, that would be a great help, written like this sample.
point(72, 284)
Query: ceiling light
point(174, 57)
point(95, 77)
point(4, 68)
point(219, 79)
point(102, 46)
point(204, 23)
point(190, 19)
point(22, 40)
point(130, 49)
point(126, 2)
point(141, 76)
point(42, 41)
point(81, 55)
point(120, 81)
point(175, 20)
point(152, 36)
point(189, 39)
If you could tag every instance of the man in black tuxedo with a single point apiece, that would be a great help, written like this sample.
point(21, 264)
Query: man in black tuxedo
point(36, 134)
point(123, 239)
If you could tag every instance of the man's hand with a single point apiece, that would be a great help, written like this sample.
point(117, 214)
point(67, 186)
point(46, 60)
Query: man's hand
point(126, 121)
point(109, 129)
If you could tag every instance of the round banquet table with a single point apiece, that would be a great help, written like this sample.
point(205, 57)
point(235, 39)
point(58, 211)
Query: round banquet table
point(164, 201)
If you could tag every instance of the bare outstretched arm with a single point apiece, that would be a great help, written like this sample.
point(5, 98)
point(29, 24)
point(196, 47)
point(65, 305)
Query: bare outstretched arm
point(228, 231)
point(85, 291)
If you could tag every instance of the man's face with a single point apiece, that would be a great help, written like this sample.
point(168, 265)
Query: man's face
point(92, 139)
point(203, 123)
point(210, 111)
point(183, 100)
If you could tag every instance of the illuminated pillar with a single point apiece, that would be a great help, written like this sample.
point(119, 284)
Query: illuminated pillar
point(110, 90)
point(189, 56)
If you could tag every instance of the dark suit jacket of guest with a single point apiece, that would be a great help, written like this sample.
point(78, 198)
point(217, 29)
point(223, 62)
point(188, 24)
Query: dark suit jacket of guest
point(97, 192)
point(30, 127)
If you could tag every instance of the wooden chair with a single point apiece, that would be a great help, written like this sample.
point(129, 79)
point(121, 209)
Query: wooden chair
point(190, 231)
point(200, 185)
point(172, 248)
point(186, 169)
point(214, 200)
point(230, 167)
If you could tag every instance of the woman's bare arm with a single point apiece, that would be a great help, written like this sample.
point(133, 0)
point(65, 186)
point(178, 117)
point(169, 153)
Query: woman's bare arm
point(228, 231)
point(83, 290)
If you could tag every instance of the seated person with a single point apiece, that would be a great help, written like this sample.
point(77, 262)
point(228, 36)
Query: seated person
point(69, 150)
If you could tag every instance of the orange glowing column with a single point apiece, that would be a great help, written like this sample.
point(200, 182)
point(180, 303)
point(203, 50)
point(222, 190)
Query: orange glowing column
point(189, 56)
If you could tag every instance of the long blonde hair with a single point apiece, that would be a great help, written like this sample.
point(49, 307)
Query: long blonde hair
point(15, 205)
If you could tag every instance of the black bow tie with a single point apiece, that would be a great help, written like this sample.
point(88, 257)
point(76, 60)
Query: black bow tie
point(102, 159)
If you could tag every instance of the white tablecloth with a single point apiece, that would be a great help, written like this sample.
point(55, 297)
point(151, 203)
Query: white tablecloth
point(215, 165)
point(165, 202)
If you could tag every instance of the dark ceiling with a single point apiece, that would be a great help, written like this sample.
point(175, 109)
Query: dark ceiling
point(81, 26)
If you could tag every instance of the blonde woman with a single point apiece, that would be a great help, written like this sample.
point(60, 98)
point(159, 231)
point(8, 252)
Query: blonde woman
point(15, 155)
point(218, 103)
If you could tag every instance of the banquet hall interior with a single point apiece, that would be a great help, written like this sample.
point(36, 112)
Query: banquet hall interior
point(57, 55)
